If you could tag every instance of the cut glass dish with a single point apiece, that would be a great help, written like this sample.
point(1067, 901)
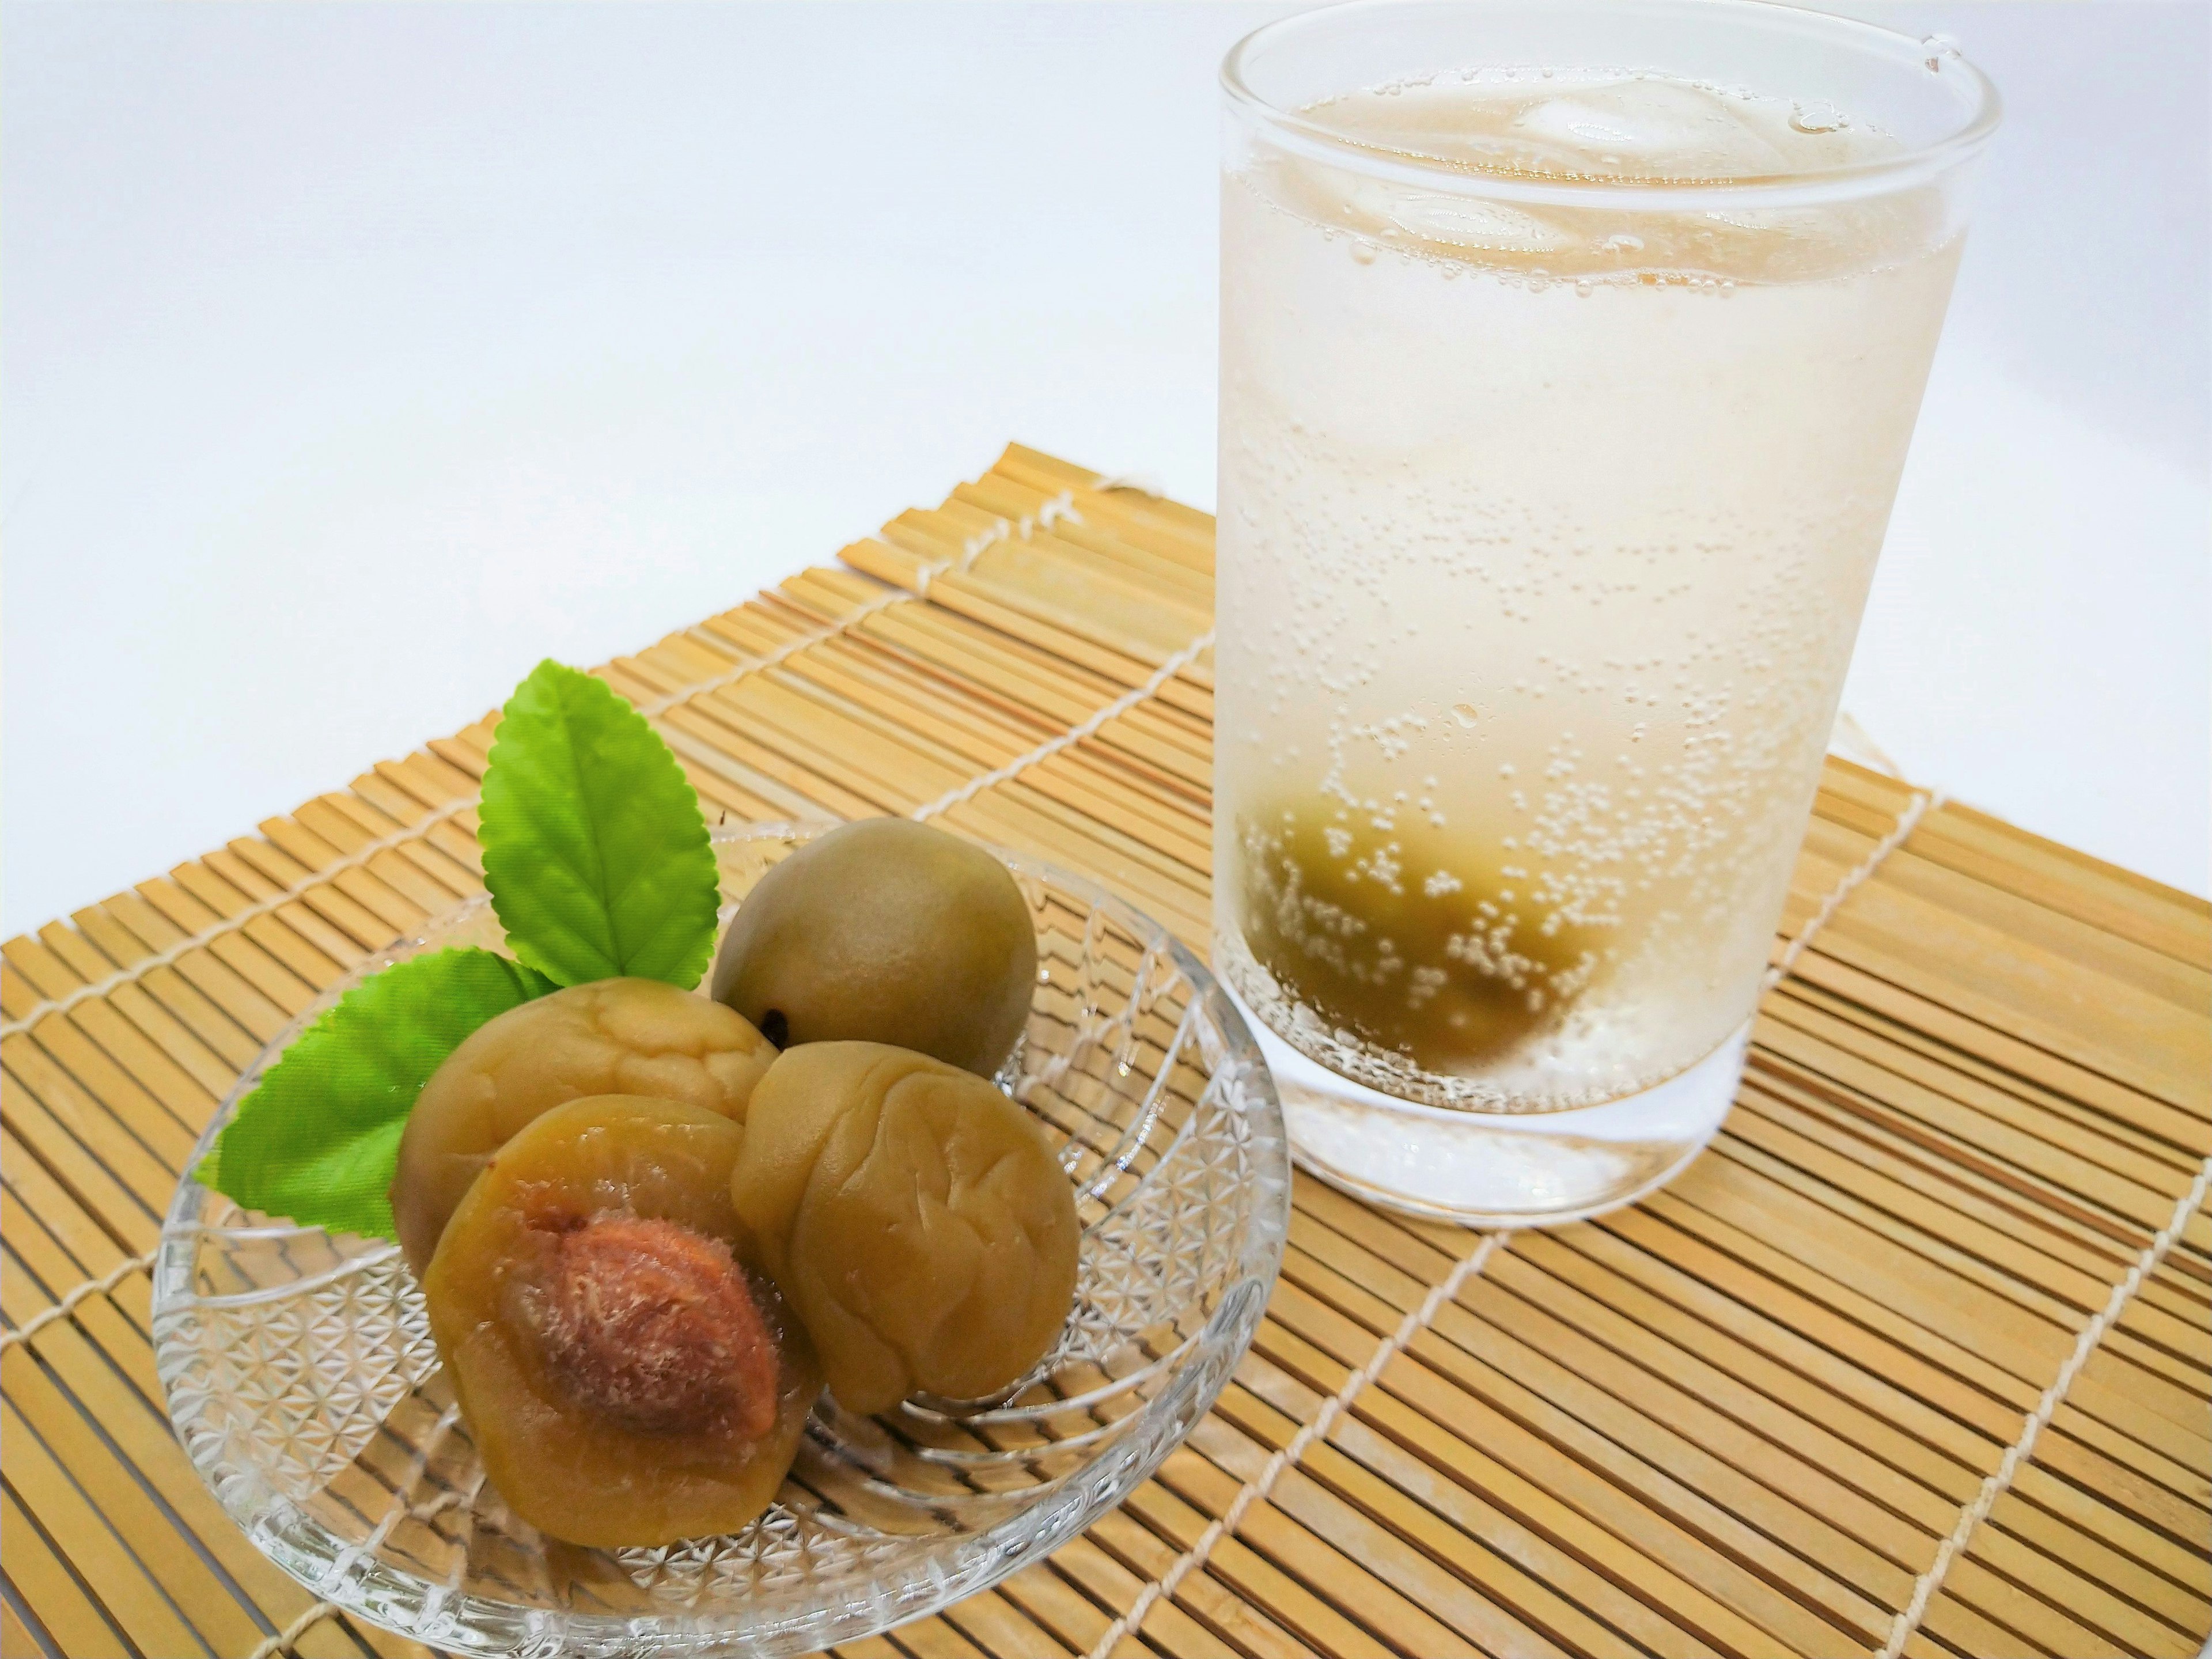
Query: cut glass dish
point(304, 1384)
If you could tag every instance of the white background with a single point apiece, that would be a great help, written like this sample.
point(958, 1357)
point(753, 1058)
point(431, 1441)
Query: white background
point(358, 357)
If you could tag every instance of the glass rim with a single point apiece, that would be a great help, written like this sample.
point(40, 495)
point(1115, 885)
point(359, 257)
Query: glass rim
point(1899, 169)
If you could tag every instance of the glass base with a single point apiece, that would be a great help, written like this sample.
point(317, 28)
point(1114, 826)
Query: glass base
point(1497, 1169)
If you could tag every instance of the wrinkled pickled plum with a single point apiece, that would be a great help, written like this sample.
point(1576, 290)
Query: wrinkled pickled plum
point(629, 1375)
point(1415, 941)
point(886, 931)
point(915, 1218)
point(614, 1037)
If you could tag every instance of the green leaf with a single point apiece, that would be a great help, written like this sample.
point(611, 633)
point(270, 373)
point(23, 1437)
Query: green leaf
point(319, 1139)
point(594, 847)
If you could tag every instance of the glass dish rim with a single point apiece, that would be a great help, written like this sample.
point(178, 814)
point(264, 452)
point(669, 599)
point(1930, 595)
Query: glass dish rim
point(955, 1567)
point(1318, 140)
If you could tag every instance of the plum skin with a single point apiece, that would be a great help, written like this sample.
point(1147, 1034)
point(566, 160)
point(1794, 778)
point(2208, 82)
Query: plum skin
point(886, 931)
point(612, 1036)
point(915, 1218)
point(590, 1445)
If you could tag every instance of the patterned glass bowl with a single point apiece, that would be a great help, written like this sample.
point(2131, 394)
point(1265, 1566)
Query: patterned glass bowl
point(303, 1381)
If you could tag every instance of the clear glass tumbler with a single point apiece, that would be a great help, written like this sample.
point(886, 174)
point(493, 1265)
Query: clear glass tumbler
point(1570, 351)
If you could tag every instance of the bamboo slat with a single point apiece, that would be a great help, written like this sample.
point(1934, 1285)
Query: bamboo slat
point(1748, 1417)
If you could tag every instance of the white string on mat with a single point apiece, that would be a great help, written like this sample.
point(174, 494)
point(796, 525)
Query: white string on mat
point(293, 1632)
point(1060, 506)
point(790, 648)
point(222, 925)
point(1067, 739)
point(1907, 822)
point(69, 1303)
point(2000, 1480)
point(1256, 1491)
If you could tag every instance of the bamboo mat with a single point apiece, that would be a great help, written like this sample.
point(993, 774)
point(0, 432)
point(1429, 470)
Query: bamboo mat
point(1742, 1418)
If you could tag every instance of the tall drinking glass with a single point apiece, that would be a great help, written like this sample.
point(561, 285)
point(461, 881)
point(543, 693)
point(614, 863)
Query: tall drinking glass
point(1570, 350)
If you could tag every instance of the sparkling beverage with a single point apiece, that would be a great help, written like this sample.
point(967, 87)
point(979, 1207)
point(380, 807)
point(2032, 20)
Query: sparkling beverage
point(1545, 529)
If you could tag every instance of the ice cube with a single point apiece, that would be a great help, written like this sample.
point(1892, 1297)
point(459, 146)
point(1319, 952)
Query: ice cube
point(1420, 220)
point(1649, 129)
point(1461, 222)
